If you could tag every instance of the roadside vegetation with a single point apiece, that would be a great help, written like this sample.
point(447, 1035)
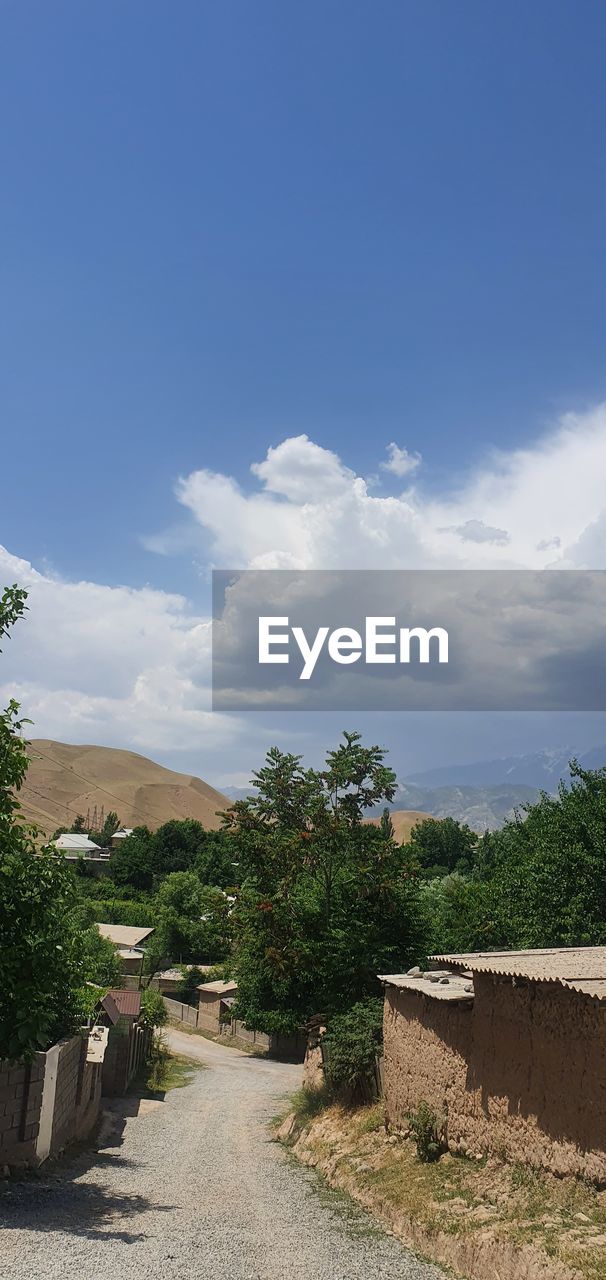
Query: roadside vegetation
point(442, 1207)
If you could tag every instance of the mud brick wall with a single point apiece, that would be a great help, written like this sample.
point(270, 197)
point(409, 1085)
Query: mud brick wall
point(20, 1102)
point(519, 1073)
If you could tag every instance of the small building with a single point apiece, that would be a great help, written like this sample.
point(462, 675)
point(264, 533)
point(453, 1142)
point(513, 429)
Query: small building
point(75, 846)
point(169, 979)
point(128, 1042)
point(78, 845)
point(127, 940)
point(120, 835)
point(212, 998)
point(508, 1049)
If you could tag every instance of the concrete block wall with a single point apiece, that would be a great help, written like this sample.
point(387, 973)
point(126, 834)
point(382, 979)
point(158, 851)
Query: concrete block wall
point(127, 1048)
point(187, 1013)
point(21, 1086)
point(47, 1103)
point(66, 1090)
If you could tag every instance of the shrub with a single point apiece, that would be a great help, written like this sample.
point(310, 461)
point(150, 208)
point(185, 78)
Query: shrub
point(159, 1064)
point(153, 1009)
point(351, 1044)
point(186, 990)
point(426, 1130)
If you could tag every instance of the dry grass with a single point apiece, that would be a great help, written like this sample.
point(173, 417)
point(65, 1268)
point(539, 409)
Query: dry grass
point(140, 790)
point(561, 1219)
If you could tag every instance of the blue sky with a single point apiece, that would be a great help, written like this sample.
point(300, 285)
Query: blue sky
point(224, 226)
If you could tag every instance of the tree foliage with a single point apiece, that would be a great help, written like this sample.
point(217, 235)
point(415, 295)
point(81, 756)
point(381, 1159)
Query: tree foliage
point(43, 960)
point(443, 845)
point(327, 901)
point(145, 858)
point(192, 919)
point(351, 1043)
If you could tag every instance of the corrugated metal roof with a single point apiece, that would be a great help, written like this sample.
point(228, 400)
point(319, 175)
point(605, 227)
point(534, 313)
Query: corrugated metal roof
point(128, 1003)
point(111, 1008)
point(580, 968)
point(74, 840)
point(438, 986)
point(123, 935)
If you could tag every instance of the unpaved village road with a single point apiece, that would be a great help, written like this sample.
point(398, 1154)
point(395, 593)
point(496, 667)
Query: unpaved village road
point(193, 1188)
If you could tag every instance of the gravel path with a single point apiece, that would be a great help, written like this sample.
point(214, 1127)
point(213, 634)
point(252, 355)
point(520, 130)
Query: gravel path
point(192, 1188)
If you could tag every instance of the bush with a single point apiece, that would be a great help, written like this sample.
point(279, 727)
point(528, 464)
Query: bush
point(351, 1044)
point(121, 911)
point(153, 1009)
point(158, 1064)
point(426, 1130)
point(191, 979)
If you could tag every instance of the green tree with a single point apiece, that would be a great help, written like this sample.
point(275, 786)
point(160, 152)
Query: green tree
point(133, 864)
point(40, 958)
point(442, 845)
point(192, 919)
point(103, 837)
point(458, 912)
point(327, 901)
point(545, 872)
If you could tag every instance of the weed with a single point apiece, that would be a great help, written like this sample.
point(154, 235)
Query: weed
point(307, 1103)
point(426, 1130)
point(372, 1118)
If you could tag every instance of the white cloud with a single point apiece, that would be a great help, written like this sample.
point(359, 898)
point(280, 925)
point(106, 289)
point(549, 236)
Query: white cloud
point(477, 531)
point(131, 667)
point(400, 461)
point(528, 508)
point(121, 666)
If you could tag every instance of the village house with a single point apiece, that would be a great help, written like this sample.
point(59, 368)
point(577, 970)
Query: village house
point(169, 979)
point(75, 845)
point(213, 1000)
point(508, 1049)
point(120, 835)
point(127, 940)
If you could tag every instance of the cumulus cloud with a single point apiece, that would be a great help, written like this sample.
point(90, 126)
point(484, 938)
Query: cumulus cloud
point(399, 461)
point(527, 508)
point(131, 666)
point(477, 531)
point(122, 666)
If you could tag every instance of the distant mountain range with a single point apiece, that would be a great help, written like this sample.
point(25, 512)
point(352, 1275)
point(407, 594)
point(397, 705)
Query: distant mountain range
point(539, 769)
point(483, 808)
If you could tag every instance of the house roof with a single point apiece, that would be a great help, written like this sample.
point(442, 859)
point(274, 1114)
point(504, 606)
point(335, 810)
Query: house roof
point(109, 1004)
point(579, 968)
point(75, 840)
point(122, 833)
point(123, 935)
point(438, 984)
point(177, 974)
point(218, 988)
point(128, 1003)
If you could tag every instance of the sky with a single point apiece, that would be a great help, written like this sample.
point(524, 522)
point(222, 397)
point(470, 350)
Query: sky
point(315, 286)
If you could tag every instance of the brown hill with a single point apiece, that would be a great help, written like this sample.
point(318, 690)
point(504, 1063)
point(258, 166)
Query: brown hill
point(63, 781)
point(403, 821)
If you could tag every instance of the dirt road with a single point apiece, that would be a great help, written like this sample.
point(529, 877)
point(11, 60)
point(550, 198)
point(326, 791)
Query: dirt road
point(193, 1188)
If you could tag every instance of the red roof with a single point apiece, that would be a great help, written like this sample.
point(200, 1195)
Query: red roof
point(128, 1002)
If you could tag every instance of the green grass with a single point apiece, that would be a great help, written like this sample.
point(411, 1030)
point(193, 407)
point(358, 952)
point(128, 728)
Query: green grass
point(166, 1070)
